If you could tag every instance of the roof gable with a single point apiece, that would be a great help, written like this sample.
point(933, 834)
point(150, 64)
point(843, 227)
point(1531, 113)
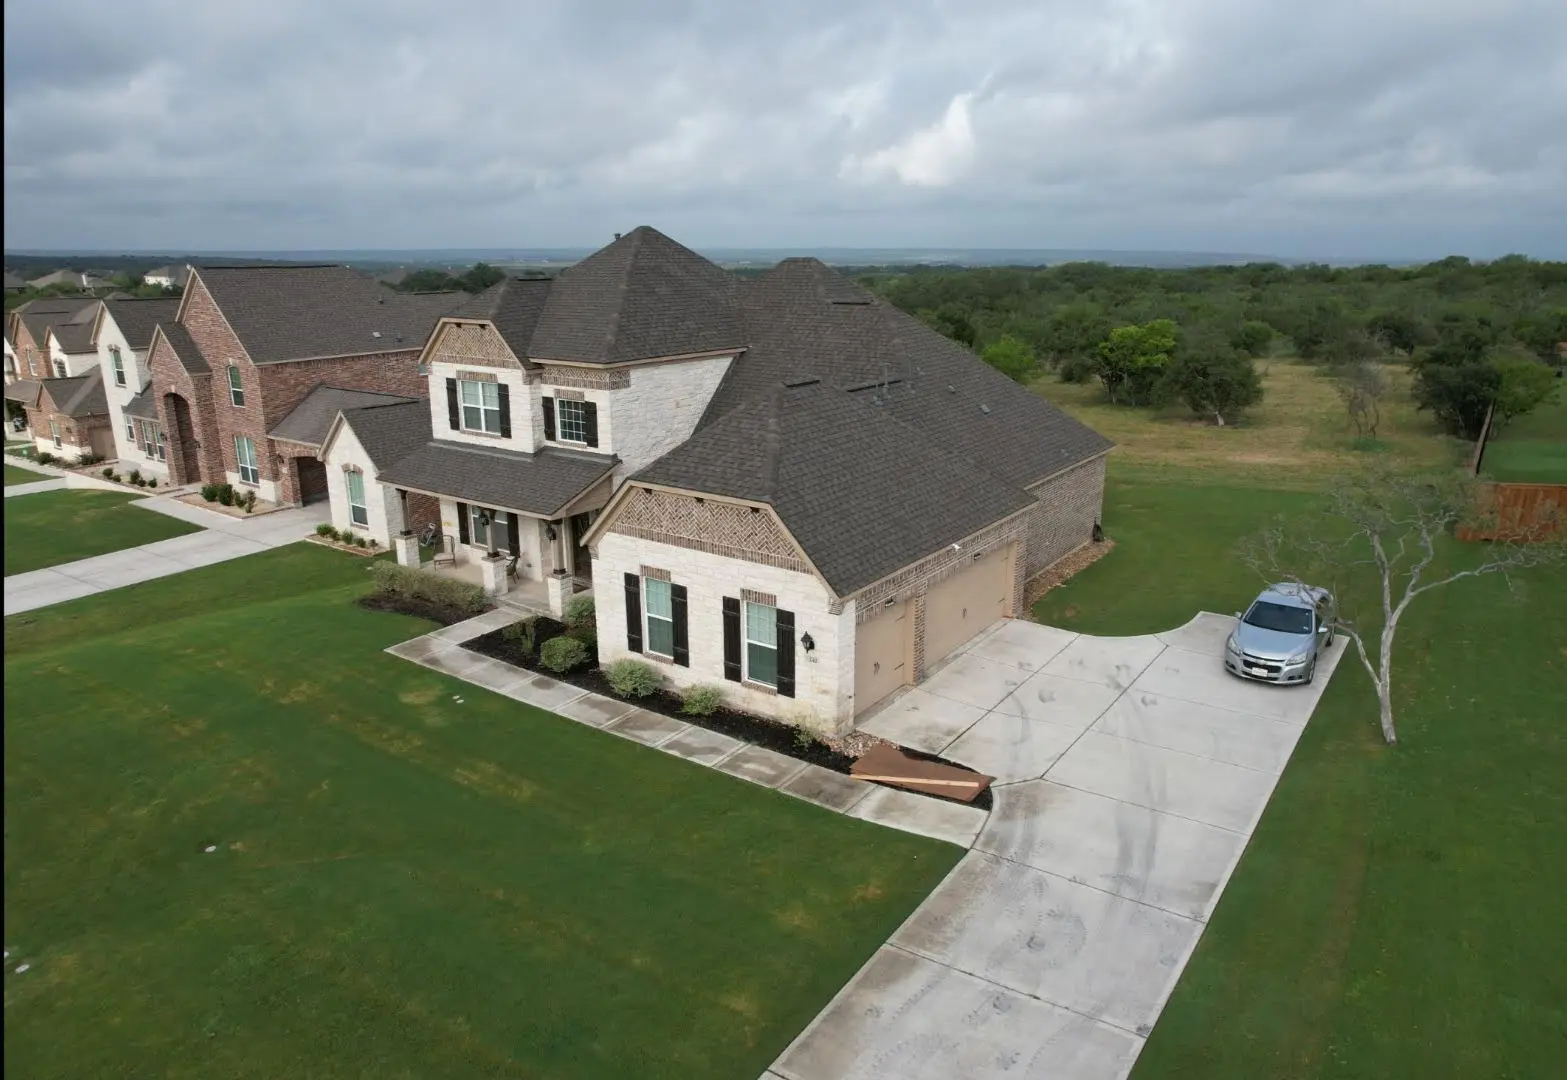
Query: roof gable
point(310, 421)
point(138, 318)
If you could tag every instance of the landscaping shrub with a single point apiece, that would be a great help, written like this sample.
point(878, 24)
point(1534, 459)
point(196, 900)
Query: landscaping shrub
point(359, 541)
point(226, 494)
point(394, 582)
point(633, 678)
point(89, 459)
point(701, 700)
point(580, 612)
point(138, 481)
point(152, 481)
point(322, 529)
point(248, 501)
point(561, 654)
point(44, 457)
point(108, 474)
point(209, 492)
point(524, 634)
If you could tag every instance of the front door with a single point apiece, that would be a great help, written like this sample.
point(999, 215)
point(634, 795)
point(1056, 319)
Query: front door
point(581, 559)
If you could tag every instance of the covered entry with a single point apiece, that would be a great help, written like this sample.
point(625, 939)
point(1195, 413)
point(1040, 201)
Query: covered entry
point(962, 605)
point(883, 655)
point(311, 474)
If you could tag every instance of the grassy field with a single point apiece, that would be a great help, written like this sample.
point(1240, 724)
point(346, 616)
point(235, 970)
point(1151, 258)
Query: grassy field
point(1397, 910)
point(17, 475)
point(1299, 434)
point(54, 527)
point(402, 883)
point(1533, 448)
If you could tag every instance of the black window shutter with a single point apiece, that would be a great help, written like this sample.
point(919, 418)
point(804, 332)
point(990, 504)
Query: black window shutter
point(633, 610)
point(785, 653)
point(732, 638)
point(503, 393)
point(462, 522)
point(513, 534)
point(590, 417)
point(549, 419)
point(453, 413)
point(677, 603)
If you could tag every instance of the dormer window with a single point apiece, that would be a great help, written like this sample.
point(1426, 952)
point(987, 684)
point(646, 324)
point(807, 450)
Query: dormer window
point(236, 388)
point(570, 420)
point(480, 405)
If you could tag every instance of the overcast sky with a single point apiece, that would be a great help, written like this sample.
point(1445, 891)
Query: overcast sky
point(1328, 128)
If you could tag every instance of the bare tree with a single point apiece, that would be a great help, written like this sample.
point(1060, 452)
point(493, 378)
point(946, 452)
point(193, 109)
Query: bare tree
point(1387, 527)
point(1362, 385)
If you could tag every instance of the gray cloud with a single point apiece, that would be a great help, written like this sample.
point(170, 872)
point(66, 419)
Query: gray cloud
point(1377, 128)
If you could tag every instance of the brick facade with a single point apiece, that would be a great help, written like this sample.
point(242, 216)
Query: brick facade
point(720, 528)
point(1069, 505)
point(473, 345)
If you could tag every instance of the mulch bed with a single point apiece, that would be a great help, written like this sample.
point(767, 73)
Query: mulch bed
point(1060, 571)
point(784, 738)
point(405, 605)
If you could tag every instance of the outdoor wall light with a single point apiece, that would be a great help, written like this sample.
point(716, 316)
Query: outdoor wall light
point(549, 533)
point(807, 642)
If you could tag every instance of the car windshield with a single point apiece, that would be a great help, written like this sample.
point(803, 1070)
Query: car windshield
point(1279, 617)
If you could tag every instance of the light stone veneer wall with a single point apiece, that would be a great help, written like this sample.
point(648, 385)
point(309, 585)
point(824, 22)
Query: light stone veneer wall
point(658, 411)
point(524, 403)
point(536, 560)
point(381, 503)
point(824, 678)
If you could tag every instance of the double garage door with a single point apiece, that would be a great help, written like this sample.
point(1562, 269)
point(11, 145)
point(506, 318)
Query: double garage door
point(956, 609)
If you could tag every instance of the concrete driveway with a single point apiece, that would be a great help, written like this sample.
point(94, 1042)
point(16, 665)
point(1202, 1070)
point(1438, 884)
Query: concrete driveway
point(222, 538)
point(1131, 772)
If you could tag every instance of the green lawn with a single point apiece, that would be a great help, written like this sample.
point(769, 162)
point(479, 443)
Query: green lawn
point(1533, 448)
point(54, 527)
point(1398, 911)
point(403, 885)
point(16, 475)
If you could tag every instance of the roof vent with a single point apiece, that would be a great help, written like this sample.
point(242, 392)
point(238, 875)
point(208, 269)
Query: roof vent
point(802, 380)
point(951, 389)
point(617, 236)
point(375, 333)
point(985, 409)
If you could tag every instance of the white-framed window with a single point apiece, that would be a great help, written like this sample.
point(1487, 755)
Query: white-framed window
point(571, 420)
point(658, 609)
point(358, 511)
point(130, 429)
point(59, 369)
point(236, 388)
point(761, 643)
point(163, 448)
point(481, 406)
point(54, 433)
point(119, 365)
point(479, 531)
point(245, 454)
point(151, 439)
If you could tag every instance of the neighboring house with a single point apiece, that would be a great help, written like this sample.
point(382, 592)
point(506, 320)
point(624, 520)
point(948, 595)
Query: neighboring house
point(69, 417)
point(782, 485)
point(69, 342)
point(307, 427)
point(27, 329)
point(74, 278)
point(544, 393)
point(167, 276)
point(122, 335)
point(14, 283)
point(249, 343)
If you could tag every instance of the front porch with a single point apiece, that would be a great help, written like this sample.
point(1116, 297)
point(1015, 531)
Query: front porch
point(529, 596)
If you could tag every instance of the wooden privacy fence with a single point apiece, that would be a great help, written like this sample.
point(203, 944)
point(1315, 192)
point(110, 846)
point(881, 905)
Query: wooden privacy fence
point(1518, 512)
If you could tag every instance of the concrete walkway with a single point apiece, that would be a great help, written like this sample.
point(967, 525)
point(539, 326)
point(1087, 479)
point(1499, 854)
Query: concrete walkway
point(33, 488)
point(441, 650)
point(222, 538)
point(1131, 772)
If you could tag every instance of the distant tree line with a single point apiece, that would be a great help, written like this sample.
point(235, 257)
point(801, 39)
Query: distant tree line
point(476, 279)
point(1476, 335)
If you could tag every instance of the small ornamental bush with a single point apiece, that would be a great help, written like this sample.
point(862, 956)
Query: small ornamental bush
point(226, 494)
point(324, 529)
point(524, 634)
point(248, 501)
point(108, 474)
point(701, 700)
point(44, 457)
point(138, 481)
point(152, 481)
point(394, 582)
point(633, 678)
point(579, 612)
point(561, 654)
point(209, 492)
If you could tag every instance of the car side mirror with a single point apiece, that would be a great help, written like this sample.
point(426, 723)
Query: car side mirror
point(1237, 614)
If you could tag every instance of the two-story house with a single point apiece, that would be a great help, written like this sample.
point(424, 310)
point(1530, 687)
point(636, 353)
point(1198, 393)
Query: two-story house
point(121, 337)
point(248, 344)
point(27, 329)
point(780, 485)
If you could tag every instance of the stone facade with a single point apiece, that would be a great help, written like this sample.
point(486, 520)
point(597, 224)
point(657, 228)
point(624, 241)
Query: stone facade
point(657, 410)
point(824, 677)
point(384, 509)
point(1069, 505)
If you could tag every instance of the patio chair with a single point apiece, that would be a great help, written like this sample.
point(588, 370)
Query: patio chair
point(511, 567)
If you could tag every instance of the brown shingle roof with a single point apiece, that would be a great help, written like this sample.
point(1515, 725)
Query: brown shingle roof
point(310, 420)
point(186, 351)
point(514, 307)
point(81, 395)
point(282, 313)
point(541, 483)
point(137, 318)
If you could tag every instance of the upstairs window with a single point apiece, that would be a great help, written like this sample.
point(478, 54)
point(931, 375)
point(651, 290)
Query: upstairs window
point(236, 388)
point(119, 365)
point(573, 420)
point(130, 429)
point(59, 369)
point(245, 454)
point(481, 406)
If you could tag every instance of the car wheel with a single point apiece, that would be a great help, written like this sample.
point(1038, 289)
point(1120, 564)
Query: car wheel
point(1311, 673)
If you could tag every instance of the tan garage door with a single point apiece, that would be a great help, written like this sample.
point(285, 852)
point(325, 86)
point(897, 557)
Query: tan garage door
point(962, 605)
point(881, 655)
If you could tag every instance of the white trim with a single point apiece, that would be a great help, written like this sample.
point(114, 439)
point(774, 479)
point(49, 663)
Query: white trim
point(746, 641)
point(239, 460)
point(484, 409)
point(648, 617)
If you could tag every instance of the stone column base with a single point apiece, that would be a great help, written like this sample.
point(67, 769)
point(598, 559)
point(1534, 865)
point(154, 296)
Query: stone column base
point(407, 548)
point(493, 567)
point(560, 589)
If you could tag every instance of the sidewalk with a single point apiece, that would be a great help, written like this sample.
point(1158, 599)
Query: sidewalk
point(222, 538)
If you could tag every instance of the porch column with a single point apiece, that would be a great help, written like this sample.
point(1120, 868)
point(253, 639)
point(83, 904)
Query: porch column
point(405, 542)
point(558, 584)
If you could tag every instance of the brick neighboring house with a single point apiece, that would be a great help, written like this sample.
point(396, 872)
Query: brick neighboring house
point(781, 485)
point(249, 344)
point(27, 329)
point(69, 417)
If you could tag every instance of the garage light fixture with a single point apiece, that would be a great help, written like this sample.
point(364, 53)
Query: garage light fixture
point(888, 602)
